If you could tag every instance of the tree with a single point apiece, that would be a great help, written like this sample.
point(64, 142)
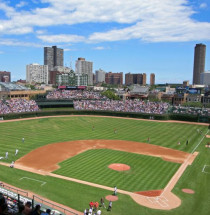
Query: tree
point(110, 94)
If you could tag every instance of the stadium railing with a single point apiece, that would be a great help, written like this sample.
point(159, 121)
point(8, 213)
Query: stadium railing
point(52, 206)
point(22, 196)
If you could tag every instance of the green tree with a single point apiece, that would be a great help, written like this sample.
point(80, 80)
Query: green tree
point(110, 94)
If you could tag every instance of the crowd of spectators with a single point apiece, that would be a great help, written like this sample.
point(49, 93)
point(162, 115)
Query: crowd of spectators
point(191, 111)
point(9, 206)
point(137, 106)
point(17, 106)
point(74, 94)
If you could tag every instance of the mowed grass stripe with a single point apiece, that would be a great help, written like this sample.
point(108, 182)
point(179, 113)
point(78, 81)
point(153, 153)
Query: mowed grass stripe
point(45, 131)
point(145, 170)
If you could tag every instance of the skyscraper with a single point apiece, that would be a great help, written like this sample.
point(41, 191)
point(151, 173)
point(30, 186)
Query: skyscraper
point(199, 62)
point(152, 79)
point(36, 73)
point(53, 56)
point(84, 67)
point(100, 76)
point(144, 79)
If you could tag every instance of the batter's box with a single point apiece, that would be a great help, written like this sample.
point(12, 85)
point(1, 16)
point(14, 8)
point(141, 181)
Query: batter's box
point(206, 169)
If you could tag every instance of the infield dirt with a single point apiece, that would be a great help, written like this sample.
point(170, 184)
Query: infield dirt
point(52, 154)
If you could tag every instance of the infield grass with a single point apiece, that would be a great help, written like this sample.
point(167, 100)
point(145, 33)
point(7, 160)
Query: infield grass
point(146, 173)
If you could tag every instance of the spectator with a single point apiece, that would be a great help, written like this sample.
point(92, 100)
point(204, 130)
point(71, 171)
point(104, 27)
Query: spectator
point(27, 209)
point(123, 106)
point(48, 211)
point(74, 94)
point(36, 210)
point(17, 106)
point(21, 208)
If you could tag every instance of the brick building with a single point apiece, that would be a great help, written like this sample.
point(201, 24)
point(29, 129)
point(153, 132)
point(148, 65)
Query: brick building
point(139, 78)
point(114, 78)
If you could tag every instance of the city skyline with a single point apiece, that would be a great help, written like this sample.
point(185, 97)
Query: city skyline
point(156, 36)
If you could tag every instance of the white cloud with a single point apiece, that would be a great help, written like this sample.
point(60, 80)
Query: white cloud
point(153, 20)
point(41, 31)
point(21, 4)
point(100, 48)
point(12, 42)
point(61, 38)
point(1, 52)
point(67, 50)
point(203, 5)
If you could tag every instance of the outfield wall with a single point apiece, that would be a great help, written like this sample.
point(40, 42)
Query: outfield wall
point(179, 117)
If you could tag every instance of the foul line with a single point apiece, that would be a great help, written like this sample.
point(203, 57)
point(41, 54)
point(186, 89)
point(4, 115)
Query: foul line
point(43, 182)
point(203, 170)
point(182, 168)
point(199, 142)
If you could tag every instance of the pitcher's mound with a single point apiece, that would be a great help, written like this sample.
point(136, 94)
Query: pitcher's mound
point(119, 167)
point(188, 191)
point(111, 198)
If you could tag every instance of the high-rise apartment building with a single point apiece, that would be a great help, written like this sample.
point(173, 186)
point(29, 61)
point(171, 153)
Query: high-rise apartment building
point(152, 79)
point(114, 78)
point(53, 56)
point(5, 76)
point(205, 78)
point(199, 62)
point(144, 79)
point(100, 76)
point(84, 67)
point(128, 79)
point(36, 73)
point(135, 79)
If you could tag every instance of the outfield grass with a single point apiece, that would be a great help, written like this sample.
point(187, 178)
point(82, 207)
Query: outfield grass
point(45, 131)
point(146, 173)
point(51, 130)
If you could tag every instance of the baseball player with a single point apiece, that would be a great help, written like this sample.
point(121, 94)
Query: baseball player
point(110, 206)
point(16, 152)
point(187, 142)
point(23, 139)
point(115, 190)
point(6, 155)
point(12, 164)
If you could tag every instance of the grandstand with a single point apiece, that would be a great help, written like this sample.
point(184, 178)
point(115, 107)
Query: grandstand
point(11, 90)
point(11, 198)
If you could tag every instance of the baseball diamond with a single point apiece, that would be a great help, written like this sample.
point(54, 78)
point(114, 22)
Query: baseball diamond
point(73, 161)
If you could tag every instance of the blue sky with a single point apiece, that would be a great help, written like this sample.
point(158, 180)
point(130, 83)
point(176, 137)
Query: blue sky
point(137, 36)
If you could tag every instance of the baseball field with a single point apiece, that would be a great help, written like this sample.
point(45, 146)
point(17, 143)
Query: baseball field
point(76, 152)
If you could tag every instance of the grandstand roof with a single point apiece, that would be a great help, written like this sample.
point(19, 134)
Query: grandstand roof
point(8, 86)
